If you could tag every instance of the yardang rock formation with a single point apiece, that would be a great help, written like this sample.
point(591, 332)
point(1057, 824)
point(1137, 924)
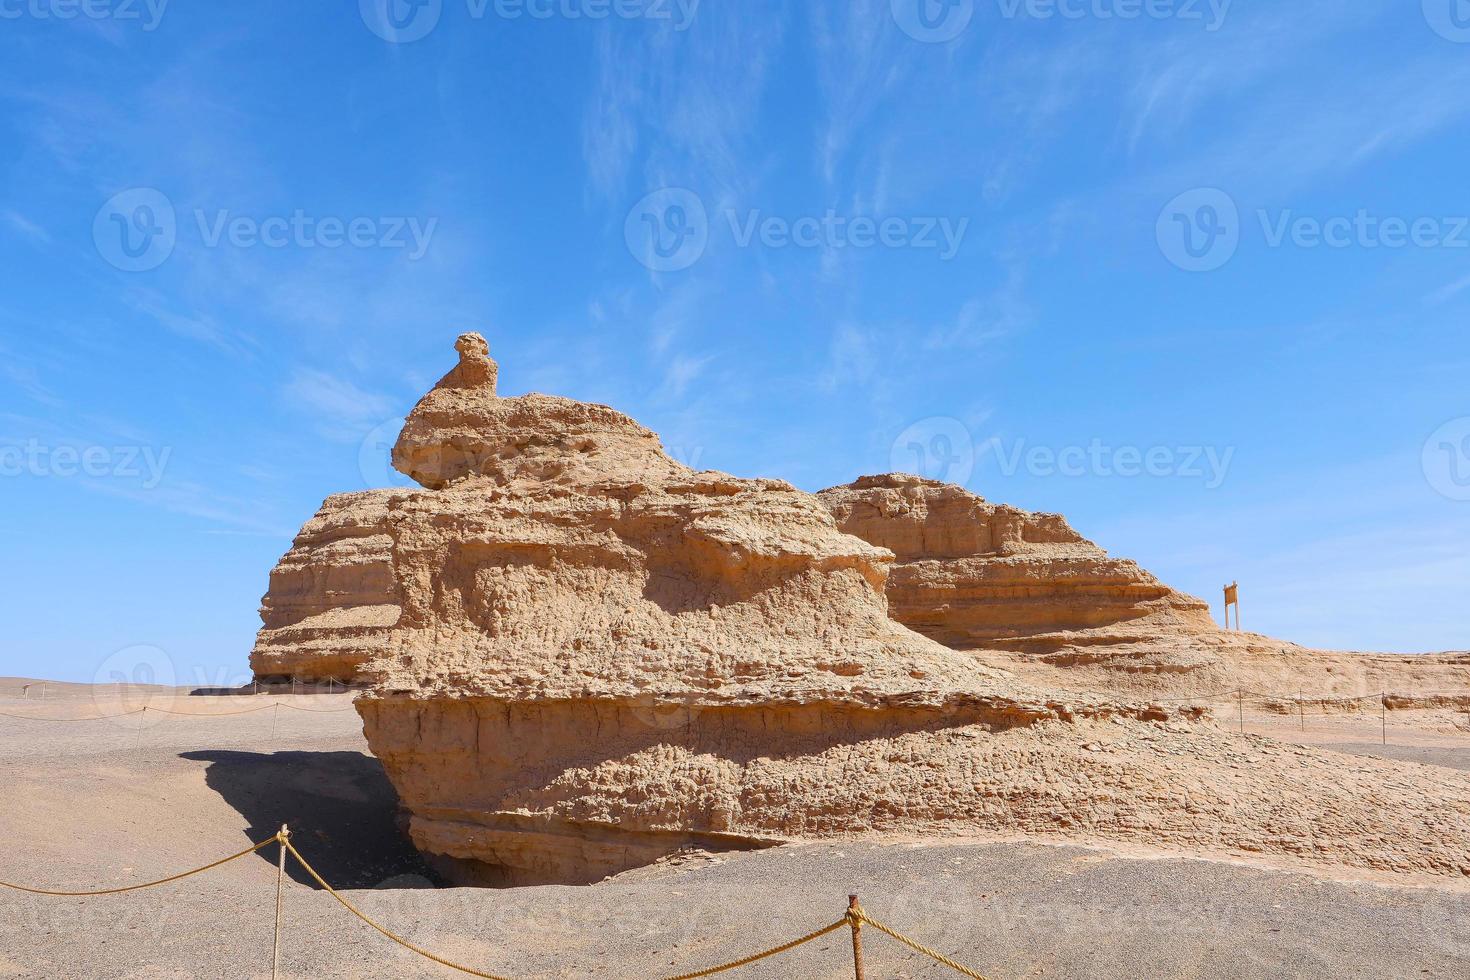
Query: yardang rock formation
point(580, 656)
point(1026, 593)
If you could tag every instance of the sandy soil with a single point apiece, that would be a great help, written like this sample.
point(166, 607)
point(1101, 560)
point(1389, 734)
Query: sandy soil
point(113, 801)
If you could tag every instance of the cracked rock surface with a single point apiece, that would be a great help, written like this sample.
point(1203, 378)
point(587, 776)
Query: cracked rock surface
point(580, 656)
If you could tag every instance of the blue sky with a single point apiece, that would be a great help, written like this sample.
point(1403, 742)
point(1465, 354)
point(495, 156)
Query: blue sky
point(1193, 274)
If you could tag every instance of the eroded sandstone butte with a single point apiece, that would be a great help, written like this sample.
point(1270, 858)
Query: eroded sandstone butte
point(333, 598)
point(599, 656)
point(972, 574)
point(1025, 592)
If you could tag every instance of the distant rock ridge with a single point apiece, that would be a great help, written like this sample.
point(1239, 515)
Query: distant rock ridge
point(973, 574)
point(1025, 592)
point(579, 656)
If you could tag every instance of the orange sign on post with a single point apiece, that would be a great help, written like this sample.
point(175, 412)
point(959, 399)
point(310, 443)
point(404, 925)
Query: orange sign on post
point(1232, 598)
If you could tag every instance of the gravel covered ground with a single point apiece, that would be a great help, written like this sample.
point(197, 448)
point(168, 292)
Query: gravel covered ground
point(110, 802)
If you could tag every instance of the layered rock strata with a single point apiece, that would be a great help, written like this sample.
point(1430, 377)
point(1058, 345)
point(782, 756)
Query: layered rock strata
point(333, 598)
point(1025, 592)
point(971, 574)
point(600, 656)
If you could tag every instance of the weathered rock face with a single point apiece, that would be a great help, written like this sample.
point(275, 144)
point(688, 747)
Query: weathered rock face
point(588, 656)
point(972, 574)
point(1026, 593)
point(568, 587)
point(333, 598)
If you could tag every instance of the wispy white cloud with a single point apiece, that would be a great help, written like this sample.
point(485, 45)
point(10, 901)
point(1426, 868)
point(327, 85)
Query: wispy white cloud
point(24, 377)
point(681, 372)
point(26, 226)
point(852, 357)
point(678, 109)
point(984, 319)
point(339, 408)
point(1449, 291)
point(193, 499)
point(199, 326)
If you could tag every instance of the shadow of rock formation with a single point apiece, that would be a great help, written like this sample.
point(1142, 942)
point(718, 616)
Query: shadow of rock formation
point(341, 808)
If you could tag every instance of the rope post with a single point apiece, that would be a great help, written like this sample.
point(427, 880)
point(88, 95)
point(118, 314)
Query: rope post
point(1301, 706)
point(275, 713)
point(854, 911)
point(1383, 714)
point(283, 837)
point(138, 732)
point(1240, 703)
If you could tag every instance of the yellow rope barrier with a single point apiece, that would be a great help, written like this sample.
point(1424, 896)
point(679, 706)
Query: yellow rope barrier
point(120, 714)
point(773, 951)
point(709, 971)
point(133, 888)
point(396, 938)
point(212, 714)
point(854, 918)
point(318, 711)
point(862, 916)
point(183, 714)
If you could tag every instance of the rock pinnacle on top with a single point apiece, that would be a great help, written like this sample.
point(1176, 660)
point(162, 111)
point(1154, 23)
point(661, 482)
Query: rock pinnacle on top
point(476, 368)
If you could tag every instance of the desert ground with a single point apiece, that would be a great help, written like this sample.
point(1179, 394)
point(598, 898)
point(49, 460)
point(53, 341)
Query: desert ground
point(97, 802)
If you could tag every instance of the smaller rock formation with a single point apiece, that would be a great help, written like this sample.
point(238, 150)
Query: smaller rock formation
point(977, 575)
point(333, 597)
point(1025, 592)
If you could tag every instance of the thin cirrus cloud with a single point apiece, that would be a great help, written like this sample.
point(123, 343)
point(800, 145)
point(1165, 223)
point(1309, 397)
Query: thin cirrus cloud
point(339, 408)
